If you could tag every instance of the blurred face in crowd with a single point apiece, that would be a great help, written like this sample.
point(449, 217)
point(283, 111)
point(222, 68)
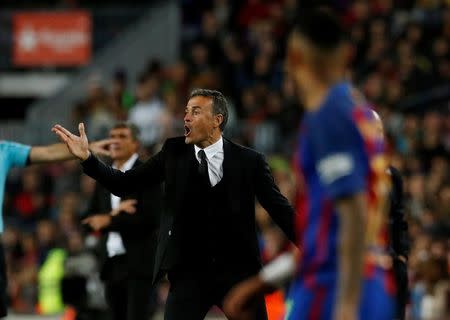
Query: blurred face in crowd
point(125, 145)
point(201, 125)
point(45, 232)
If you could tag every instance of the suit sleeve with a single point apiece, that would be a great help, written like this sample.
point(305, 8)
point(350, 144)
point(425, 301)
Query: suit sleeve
point(399, 226)
point(121, 183)
point(272, 200)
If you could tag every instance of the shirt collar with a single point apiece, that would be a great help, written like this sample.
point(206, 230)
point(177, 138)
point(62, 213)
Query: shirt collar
point(211, 150)
point(129, 163)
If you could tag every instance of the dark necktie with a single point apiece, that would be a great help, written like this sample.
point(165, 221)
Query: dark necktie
point(203, 166)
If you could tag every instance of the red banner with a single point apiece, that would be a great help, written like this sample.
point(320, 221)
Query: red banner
point(52, 38)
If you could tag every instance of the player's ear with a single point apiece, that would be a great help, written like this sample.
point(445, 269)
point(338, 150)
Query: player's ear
point(295, 58)
point(293, 54)
point(347, 51)
point(218, 119)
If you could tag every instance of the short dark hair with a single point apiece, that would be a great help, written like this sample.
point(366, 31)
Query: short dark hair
point(321, 27)
point(135, 131)
point(219, 103)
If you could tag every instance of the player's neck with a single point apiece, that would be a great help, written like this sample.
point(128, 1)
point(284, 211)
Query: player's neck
point(315, 91)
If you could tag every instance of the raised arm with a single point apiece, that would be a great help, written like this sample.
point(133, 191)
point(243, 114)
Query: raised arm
point(117, 182)
point(60, 152)
point(54, 152)
point(121, 183)
point(272, 200)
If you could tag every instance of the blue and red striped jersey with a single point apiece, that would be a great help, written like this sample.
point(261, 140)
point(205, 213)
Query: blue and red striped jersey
point(340, 152)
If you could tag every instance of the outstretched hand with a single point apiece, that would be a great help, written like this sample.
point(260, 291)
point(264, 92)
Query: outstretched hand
point(77, 145)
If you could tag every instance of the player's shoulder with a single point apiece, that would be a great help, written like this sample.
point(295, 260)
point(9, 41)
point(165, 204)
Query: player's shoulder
point(345, 101)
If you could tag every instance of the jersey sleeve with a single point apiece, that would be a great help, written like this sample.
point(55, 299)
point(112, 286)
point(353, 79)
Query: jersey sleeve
point(340, 157)
point(17, 154)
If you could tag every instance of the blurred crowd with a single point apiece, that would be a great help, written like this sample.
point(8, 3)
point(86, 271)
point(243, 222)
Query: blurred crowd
point(400, 59)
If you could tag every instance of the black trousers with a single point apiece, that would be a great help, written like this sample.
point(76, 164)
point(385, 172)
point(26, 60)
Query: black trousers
point(192, 293)
point(401, 278)
point(3, 284)
point(128, 297)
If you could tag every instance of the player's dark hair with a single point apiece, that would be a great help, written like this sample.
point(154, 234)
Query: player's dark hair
point(320, 27)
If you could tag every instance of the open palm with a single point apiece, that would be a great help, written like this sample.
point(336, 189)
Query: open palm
point(77, 145)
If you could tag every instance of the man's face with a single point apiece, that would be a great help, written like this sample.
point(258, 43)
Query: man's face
point(199, 121)
point(125, 146)
point(292, 55)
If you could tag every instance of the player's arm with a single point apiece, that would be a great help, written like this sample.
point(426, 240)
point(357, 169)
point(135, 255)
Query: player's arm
point(351, 210)
point(342, 167)
point(54, 152)
point(60, 152)
point(273, 275)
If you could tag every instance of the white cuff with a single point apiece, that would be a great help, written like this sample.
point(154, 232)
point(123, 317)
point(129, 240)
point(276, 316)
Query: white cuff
point(279, 270)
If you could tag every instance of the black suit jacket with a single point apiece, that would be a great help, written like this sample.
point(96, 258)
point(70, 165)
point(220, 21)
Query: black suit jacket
point(397, 223)
point(248, 177)
point(138, 231)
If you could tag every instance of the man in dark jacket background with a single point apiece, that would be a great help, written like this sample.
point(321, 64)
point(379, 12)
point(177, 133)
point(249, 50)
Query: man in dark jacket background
point(399, 240)
point(129, 226)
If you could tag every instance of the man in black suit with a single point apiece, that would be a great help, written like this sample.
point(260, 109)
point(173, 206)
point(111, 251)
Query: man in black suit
point(207, 241)
point(129, 226)
point(399, 242)
point(398, 233)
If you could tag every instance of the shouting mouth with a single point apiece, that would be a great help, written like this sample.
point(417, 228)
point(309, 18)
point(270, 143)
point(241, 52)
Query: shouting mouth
point(187, 131)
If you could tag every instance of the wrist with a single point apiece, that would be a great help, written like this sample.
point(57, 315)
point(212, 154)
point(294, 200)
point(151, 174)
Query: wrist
point(85, 156)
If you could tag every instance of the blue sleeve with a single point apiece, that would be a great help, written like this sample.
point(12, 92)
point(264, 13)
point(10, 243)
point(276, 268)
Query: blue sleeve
point(340, 157)
point(17, 154)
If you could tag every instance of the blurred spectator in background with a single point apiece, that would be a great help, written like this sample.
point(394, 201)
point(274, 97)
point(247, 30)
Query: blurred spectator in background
point(122, 99)
point(147, 113)
point(129, 226)
point(101, 116)
point(82, 289)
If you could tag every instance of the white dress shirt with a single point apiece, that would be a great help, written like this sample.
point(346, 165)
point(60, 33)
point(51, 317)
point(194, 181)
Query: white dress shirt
point(214, 157)
point(114, 243)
